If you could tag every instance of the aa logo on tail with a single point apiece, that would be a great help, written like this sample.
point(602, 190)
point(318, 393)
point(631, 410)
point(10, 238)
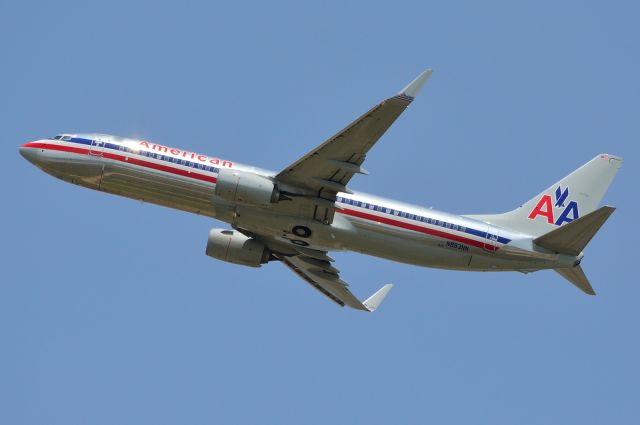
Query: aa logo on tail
point(549, 209)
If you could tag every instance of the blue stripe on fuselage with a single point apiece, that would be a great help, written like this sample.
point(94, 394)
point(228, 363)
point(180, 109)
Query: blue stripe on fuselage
point(377, 208)
point(422, 219)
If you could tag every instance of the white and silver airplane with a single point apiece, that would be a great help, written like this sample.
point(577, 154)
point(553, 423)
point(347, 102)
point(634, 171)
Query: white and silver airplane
point(296, 216)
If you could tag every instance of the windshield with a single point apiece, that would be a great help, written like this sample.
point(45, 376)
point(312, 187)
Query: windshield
point(61, 137)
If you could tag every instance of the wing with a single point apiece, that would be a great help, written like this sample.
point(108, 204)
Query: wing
point(316, 269)
point(328, 168)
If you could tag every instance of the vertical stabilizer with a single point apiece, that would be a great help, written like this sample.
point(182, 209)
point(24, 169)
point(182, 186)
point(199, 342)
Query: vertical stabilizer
point(574, 196)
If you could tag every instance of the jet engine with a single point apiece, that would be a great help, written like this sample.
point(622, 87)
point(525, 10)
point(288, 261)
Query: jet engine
point(246, 188)
point(234, 247)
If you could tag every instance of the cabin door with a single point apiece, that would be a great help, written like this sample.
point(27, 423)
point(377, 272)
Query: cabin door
point(491, 240)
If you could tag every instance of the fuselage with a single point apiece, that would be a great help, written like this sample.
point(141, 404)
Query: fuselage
point(363, 223)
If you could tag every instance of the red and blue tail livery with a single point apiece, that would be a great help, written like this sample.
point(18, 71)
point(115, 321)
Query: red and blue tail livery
point(549, 210)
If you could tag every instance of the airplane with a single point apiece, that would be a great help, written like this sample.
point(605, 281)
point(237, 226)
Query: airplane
point(300, 214)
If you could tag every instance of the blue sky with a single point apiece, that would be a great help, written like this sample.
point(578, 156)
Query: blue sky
point(111, 313)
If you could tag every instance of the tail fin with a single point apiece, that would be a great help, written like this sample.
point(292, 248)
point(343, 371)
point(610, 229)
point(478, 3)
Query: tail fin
point(576, 195)
point(576, 276)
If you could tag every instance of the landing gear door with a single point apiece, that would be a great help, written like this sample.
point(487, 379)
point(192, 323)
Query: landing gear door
point(97, 147)
point(491, 240)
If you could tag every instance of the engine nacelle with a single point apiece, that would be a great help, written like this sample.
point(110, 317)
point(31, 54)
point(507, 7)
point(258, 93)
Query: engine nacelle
point(246, 188)
point(234, 247)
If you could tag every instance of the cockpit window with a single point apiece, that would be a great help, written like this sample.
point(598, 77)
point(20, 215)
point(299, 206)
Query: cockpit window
point(61, 137)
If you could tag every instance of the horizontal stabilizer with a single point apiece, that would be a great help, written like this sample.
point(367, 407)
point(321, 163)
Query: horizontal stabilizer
point(576, 276)
point(573, 237)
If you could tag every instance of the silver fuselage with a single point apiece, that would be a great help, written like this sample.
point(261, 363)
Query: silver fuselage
point(363, 223)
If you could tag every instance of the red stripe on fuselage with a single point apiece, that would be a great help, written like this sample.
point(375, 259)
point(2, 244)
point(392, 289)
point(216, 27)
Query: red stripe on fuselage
point(211, 179)
point(122, 158)
point(416, 228)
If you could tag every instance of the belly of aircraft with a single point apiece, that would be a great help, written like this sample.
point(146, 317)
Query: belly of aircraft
point(158, 188)
point(410, 247)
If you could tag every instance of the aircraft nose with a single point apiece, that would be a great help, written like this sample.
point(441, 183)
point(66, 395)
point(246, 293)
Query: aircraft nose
point(29, 151)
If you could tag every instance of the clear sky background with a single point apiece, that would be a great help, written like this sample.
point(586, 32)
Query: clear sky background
point(110, 313)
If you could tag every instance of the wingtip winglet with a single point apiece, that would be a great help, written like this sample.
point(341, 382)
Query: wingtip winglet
point(413, 88)
point(374, 301)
